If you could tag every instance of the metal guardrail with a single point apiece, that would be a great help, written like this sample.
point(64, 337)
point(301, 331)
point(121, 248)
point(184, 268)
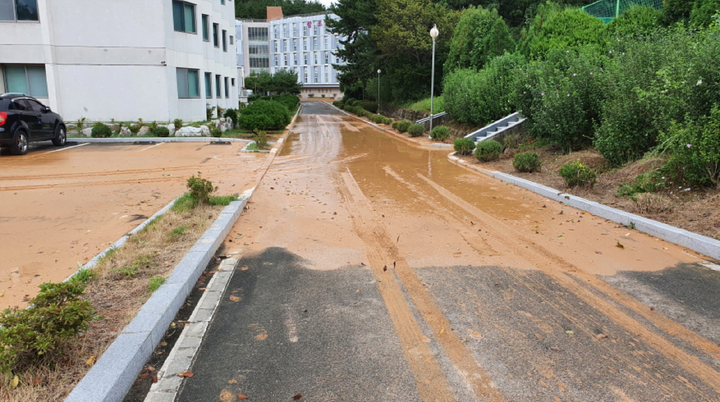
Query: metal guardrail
point(496, 127)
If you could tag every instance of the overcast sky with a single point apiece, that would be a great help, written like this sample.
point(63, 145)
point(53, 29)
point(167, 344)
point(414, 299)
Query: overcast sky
point(326, 3)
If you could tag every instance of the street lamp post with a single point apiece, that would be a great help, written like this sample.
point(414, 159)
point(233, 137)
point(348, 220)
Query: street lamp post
point(378, 91)
point(433, 34)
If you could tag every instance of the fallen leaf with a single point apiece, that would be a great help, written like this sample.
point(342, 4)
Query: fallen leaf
point(244, 268)
point(297, 397)
point(16, 380)
point(186, 374)
point(234, 298)
point(143, 375)
point(619, 245)
point(569, 332)
point(442, 330)
point(601, 336)
point(36, 381)
point(90, 361)
point(232, 382)
point(241, 396)
point(154, 378)
point(394, 264)
point(385, 268)
point(357, 291)
point(652, 308)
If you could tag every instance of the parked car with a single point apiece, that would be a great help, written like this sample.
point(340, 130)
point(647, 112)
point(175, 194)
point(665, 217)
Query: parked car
point(23, 119)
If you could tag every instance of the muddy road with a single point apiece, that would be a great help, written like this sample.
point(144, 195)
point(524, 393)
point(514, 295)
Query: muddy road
point(375, 270)
point(59, 207)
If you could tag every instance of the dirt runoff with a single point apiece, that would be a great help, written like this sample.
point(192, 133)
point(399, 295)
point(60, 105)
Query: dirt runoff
point(692, 209)
point(61, 207)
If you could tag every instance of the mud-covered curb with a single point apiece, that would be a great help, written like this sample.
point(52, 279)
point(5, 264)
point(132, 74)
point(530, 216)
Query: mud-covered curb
point(133, 140)
point(693, 241)
point(116, 370)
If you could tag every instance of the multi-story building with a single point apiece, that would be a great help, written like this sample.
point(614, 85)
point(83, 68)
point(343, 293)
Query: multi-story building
point(299, 43)
point(121, 59)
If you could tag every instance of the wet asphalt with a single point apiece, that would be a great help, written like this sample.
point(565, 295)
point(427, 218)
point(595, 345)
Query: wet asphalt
point(284, 330)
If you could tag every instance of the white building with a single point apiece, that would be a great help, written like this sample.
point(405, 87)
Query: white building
point(122, 59)
point(298, 43)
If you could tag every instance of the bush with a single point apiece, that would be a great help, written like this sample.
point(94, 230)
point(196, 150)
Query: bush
point(370, 106)
point(209, 111)
point(480, 97)
point(464, 146)
point(695, 150)
point(526, 162)
point(416, 130)
point(200, 189)
point(178, 124)
point(649, 182)
point(378, 118)
point(264, 115)
point(577, 174)
point(161, 131)
point(512, 141)
point(289, 100)
point(488, 150)
point(403, 125)
point(38, 332)
point(215, 132)
point(479, 36)
point(389, 121)
point(232, 114)
point(440, 133)
point(261, 139)
point(100, 130)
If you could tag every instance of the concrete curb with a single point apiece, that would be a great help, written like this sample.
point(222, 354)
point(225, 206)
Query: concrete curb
point(114, 373)
point(693, 241)
point(183, 353)
point(132, 140)
point(390, 132)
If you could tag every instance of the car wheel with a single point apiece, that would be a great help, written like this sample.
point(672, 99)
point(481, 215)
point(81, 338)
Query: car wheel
point(60, 136)
point(21, 144)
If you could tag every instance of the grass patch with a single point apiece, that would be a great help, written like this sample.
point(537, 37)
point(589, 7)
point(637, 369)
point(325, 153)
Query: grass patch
point(177, 232)
point(84, 275)
point(222, 200)
point(154, 283)
point(424, 105)
point(252, 147)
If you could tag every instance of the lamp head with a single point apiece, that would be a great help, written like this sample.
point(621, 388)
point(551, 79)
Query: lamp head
point(434, 32)
point(378, 71)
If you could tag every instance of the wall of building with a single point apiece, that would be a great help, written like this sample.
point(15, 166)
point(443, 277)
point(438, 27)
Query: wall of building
point(117, 60)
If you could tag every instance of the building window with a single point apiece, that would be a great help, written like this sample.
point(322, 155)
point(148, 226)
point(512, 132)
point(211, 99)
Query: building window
point(217, 86)
point(327, 77)
point(184, 16)
point(216, 40)
point(224, 40)
point(327, 57)
point(18, 10)
point(187, 83)
point(205, 28)
point(232, 41)
point(208, 85)
point(222, 2)
point(257, 34)
point(227, 88)
point(295, 45)
point(27, 80)
point(232, 81)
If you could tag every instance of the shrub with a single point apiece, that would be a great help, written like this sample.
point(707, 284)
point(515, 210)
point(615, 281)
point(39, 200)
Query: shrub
point(577, 174)
point(289, 100)
point(695, 150)
point(200, 189)
point(440, 133)
point(100, 130)
point(480, 97)
point(416, 130)
point(338, 103)
point(161, 131)
point(178, 124)
point(480, 35)
point(388, 120)
point(232, 114)
point(464, 146)
point(215, 132)
point(220, 111)
point(526, 162)
point(261, 139)
point(264, 115)
point(38, 332)
point(403, 125)
point(370, 106)
point(649, 182)
point(488, 150)
point(209, 111)
point(152, 126)
point(378, 118)
point(512, 141)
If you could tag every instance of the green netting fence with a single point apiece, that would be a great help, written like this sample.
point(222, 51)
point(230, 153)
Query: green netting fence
point(607, 10)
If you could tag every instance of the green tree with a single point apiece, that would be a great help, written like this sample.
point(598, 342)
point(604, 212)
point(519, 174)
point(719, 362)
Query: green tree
point(479, 36)
point(676, 11)
point(635, 21)
point(281, 82)
point(703, 12)
point(257, 9)
point(358, 50)
point(403, 36)
point(557, 28)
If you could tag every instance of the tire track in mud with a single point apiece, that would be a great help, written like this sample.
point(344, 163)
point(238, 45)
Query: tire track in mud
point(387, 263)
point(549, 263)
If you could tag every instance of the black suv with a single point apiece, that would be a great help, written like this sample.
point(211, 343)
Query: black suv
point(23, 120)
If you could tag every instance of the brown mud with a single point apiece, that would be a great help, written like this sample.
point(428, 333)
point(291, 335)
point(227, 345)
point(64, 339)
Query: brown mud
point(61, 207)
point(342, 193)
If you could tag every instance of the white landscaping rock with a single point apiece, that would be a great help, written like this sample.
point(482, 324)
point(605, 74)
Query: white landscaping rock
point(86, 132)
point(143, 130)
point(125, 132)
point(189, 131)
point(205, 130)
point(171, 128)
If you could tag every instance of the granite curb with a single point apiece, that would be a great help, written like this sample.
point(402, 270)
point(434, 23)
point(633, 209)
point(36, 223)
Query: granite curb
point(693, 241)
point(114, 373)
point(132, 140)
